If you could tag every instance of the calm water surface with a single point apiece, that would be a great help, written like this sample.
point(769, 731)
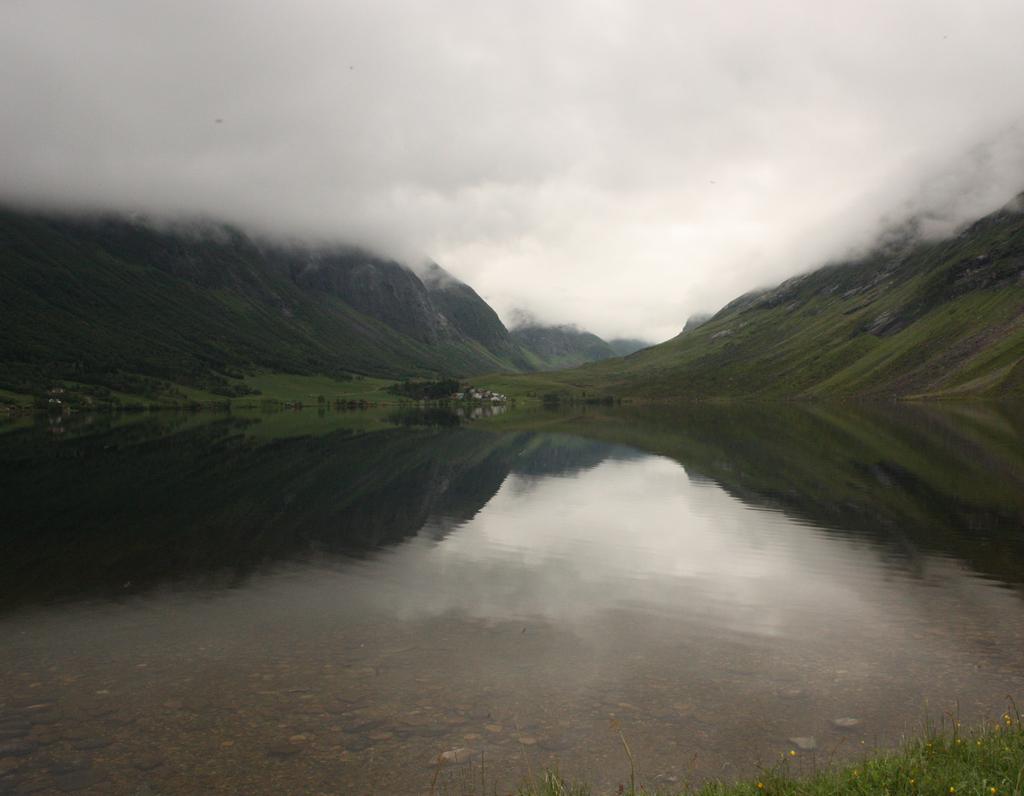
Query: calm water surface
point(324, 603)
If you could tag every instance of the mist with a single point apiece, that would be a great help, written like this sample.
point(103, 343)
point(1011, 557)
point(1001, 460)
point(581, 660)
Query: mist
point(617, 165)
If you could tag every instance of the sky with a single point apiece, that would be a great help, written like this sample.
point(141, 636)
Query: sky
point(617, 164)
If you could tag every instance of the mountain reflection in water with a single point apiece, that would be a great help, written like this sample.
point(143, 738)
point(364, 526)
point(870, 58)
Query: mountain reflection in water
point(335, 608)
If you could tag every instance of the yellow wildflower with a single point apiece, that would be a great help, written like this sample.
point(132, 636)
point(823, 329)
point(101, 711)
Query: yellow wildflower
point(792, 752)
point(760, 786)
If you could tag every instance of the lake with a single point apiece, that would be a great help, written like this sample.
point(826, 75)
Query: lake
point(401, 603)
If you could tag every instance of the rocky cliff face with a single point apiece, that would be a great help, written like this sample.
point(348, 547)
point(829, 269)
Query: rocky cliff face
point(382, 289)
point(464, 310)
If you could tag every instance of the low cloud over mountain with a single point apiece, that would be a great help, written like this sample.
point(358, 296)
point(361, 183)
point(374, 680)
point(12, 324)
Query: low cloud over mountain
point(618, 165)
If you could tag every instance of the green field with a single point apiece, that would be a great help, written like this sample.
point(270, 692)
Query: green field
point(530, 388)
point(14, 398)
point(308, 389)
point(269, 387)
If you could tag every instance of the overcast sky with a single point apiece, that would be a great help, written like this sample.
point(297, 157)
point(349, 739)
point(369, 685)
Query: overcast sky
point(614, 163)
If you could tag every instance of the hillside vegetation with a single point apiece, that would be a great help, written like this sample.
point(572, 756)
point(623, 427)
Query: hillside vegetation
point(108, 301)
point(911, 319)
point(118, 306)
point(556, 347)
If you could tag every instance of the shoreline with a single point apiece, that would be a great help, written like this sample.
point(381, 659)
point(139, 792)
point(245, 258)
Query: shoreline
point(985, 761)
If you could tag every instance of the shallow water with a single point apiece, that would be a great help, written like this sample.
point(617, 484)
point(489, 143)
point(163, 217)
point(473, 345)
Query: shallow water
point(213, 605)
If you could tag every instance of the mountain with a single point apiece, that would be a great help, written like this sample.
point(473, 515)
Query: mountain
point(624, 346)
point(461, 306)
point(555, 347)
point(696, 320)
point(911, 318)
point(125, 304)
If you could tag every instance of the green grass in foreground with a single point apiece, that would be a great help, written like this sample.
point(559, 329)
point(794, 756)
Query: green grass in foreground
point(986, 762)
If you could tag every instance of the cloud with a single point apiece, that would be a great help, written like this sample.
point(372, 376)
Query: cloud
point(611, 163)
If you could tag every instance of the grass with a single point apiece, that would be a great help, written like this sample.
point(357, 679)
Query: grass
point(9, 398)
point(988, 761)
point(307, 389)
point(530, 388)
point(273, 387)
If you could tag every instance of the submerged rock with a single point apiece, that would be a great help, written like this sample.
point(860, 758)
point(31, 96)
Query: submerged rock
point(458, 756)
point(805, 743)
point(845, 723)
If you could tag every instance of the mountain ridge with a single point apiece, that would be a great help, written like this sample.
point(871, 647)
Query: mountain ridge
point(128, 305)
point(918, 319)
point(100, 300)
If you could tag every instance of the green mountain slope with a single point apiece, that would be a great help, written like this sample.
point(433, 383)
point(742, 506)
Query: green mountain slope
point(624, 346)
point(462, 307)
point(554, 347)
point(124, 304)
point(910, 319)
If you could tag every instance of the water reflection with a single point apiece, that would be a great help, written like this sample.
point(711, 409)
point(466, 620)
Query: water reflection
point(716, 580)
